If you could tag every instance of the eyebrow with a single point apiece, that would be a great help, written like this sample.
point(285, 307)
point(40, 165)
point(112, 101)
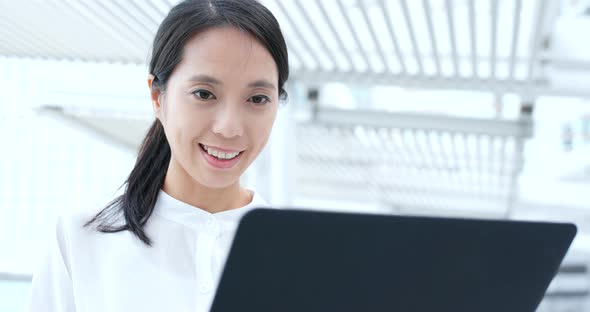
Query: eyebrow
point(262, 83)
point(205, 78)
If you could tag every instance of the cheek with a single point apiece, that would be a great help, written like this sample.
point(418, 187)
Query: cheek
point(184, 125)
point(262, 128)
point(187, 118)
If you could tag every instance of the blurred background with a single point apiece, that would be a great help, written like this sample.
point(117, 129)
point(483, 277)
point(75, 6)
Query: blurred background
point(463, 108)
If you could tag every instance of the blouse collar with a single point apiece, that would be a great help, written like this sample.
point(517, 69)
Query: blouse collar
point(198, 219)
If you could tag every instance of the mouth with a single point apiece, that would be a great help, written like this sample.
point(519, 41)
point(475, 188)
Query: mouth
point(220, 158)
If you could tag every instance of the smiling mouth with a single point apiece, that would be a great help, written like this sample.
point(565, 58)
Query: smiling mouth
point(220, 155)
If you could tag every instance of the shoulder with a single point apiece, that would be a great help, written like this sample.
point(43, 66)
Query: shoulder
point(77, 223)
point(83, 248)
point(71, 228)
point(72, 221)
point(74, 231)
point(63, 235)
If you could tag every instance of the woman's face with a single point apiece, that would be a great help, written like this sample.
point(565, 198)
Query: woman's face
point(219, 106)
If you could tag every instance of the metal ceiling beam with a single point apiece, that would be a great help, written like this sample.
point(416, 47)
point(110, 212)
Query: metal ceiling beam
point(331, 55)
point(432, 36)
point(410, 26)
point(65, 12)
point(493, 39)
point(15, 44)
point(101, 129)
point(142, 23)
point(6, 276)
point(80, 8)
point(452, 33)
point(472, 126)
point(117, 16)
point(355, 36)
point(473, 37)
point(313, 178)
point(154, 23)
point(339, 41)
point(537, 40)
point(42, 46)
point(515, 37)
point(157, 10)
point(60, 43)
point(373, 34)
point(391, 30)
point(300, 37)
point(520, 88)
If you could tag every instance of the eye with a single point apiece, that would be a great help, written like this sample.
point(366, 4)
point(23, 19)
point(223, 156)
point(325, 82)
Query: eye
point(203, 95)
point(259, 99)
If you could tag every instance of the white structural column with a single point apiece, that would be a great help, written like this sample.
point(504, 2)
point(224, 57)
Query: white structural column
point(284, 156)
point(525, 120)
point(272, 174)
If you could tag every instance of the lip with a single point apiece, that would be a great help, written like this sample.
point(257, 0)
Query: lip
point(223, 149)
point(218, 163)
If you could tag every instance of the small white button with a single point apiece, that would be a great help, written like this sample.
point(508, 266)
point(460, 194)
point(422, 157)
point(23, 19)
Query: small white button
point(212, 227)
point(205, 288)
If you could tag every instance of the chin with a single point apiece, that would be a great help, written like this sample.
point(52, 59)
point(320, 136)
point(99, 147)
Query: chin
point(218, 181)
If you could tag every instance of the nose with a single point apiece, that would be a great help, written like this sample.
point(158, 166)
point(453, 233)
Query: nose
point(228, 121)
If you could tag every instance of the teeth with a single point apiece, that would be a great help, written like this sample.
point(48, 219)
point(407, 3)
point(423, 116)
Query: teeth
point(220, 155)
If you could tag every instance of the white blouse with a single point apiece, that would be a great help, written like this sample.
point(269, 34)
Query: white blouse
point(91, 271)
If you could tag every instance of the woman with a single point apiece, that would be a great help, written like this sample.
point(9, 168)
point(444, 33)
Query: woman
point(217, 74)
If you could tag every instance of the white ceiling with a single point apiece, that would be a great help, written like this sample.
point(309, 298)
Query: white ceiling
point(498, 46)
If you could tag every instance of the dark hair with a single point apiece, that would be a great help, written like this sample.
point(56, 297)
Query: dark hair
point(184, 21)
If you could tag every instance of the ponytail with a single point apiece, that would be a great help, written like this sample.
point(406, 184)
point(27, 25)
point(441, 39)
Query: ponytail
point(142, 187)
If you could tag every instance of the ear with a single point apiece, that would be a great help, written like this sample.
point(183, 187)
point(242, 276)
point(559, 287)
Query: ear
point(155, 96)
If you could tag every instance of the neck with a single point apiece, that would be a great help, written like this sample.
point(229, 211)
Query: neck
point(180, 185)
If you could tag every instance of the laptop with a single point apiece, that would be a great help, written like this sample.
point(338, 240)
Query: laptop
point(296, 260)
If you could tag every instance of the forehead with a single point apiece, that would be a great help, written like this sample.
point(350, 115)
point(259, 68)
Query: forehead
point(227, 53)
